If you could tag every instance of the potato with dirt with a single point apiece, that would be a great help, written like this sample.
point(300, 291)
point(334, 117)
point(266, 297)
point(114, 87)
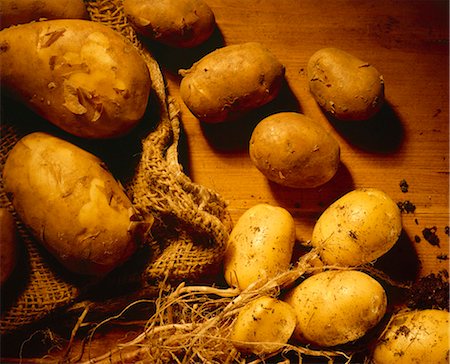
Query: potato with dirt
point(357, 228)
point(420, 336)
point(15, 12)
point(177, 23)
point(72, 204)
point(230, 81)
point(80, 75)
point(336, 307)
point(293, 150)
point(8, 245)
point(260, 245)
point(345, 86)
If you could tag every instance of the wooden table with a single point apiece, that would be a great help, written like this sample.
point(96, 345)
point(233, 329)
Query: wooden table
point(407, 41)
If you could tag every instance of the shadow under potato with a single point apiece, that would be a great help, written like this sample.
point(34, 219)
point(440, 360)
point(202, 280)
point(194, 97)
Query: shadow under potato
point(383, 133)
point(234, 135)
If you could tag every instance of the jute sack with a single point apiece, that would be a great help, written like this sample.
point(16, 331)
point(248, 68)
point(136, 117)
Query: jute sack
point(191, 221)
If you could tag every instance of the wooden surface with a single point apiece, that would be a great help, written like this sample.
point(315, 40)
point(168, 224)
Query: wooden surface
point(407, 41)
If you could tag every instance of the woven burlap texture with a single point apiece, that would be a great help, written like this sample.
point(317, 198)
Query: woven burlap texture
point(191, 221)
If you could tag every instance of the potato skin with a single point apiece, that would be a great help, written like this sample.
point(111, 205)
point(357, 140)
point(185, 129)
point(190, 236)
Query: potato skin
point(230, 81)
point(178, 23)
point(336, 307)
point(91, 83)
point(345, 86)
point(293, 150)
point(71, 204)
point(260, 245)
point(262, 325)
point(8, 245)
point(414, 337)
point(14, 12)
point(358, 228)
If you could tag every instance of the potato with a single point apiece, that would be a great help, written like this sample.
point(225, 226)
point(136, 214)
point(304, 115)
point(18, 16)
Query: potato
point(293, 150)
point(358, 228)
point(262, 325)
point(414, 337)
point(14, 12)
point(80, 75)
point(336, 307)
point(259, 246)
point(345, 86)
point(72, 204)
point(179, 23)
point(230, 81)
point(8, 245)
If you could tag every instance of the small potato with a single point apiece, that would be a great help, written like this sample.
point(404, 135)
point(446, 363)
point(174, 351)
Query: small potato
point(72, 204)
point(8, 245)
point(263, 325)
point(358, 228)
point(336, 307)
point(260, 245)
point(293, 150)
point(178, 23)
point(230, 81)
point(414, 337)
point(345, 86)
point(14, 12)
point(80, 75)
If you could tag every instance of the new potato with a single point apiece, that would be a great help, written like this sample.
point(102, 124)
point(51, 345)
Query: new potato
point(14, 12)
point(263, 326)
point(72, 204)
point(345, 86)
point(293, 150)
point(259, 246)
point(414, 337)
point(358, 228)
point(80, 75)
point(336, 307)
point(179, 23)
point(230, 81)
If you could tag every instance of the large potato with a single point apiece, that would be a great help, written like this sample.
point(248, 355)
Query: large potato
point(293, 150)
point(358, 228)
point(14, 12)
point(80, 75)
point(179, 23)
point(336, 307)
point(71, 204)
point(414, 337)
point(263, 326)
point(231, 80)
point(259, 246)
point(345, 86)
point(8, 245)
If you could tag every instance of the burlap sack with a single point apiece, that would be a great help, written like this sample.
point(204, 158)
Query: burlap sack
point(191, 221)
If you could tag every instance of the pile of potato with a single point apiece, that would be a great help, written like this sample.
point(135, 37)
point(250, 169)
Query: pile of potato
point(94, 84)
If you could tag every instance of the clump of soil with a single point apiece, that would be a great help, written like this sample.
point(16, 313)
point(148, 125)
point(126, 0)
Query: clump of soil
point(406, 206)
point(430, 235)
point(431, 291)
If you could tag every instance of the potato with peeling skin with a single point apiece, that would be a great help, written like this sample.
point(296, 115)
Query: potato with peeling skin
point(80, 75)
point(231, 81)
point(72, 204)
point(178, 23)
point(14, 12)
point(263, 326)
point(293, 150)
point(8, 245)
point(420, 336)
point(336, 307)
point(358, 228)
point(259, 246)
point(345, 86)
